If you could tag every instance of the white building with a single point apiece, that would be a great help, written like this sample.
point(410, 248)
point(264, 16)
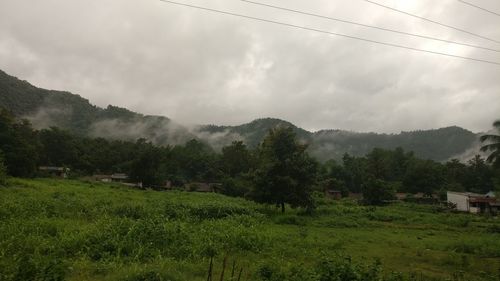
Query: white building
point(473, 202)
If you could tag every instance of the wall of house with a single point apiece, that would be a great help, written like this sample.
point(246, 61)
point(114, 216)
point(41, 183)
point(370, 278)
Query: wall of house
point(462, 201)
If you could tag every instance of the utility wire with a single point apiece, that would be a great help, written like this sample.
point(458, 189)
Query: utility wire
point(370, 26)
point(478, 7)
point(327, 32)
point(433, 21)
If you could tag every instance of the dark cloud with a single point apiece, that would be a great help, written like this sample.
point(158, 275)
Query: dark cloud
point(196, 67)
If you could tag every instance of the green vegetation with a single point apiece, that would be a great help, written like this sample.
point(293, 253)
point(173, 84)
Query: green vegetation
point(280, 164)
point(285, 172)
point(71, 230)
point(77, 115)
point(492, 144)
point(3, 170)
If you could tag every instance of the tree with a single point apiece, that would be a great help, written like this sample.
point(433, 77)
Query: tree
point(3, 170)
point(145, 168)
point(59, 148)
point(376, 191)
point(424, 176)
point(355, 172)
point(493, 144)
point(235, 159)
point(285, 172)
point(479, 176)
point(19, 143)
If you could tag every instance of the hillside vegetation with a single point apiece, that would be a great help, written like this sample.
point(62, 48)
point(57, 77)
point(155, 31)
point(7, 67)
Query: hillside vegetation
point(73, 230)
point(45, 108)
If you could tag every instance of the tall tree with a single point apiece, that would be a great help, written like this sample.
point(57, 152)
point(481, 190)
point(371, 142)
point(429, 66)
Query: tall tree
point(235, 159)
point(424, 176)
point(479, 176)
point(286, 173)
point(492, 144)
point(145, 168)
point(19, 142)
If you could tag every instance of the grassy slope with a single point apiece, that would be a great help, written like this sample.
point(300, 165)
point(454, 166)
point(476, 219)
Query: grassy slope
point(89, 231)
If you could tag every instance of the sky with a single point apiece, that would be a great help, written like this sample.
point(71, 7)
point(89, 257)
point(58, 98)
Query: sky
point(198, 67)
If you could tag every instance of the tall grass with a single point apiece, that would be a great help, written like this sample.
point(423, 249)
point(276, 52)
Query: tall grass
point(71, 230)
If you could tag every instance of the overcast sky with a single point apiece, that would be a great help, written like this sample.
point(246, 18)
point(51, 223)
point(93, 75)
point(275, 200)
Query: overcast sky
point(198, 67)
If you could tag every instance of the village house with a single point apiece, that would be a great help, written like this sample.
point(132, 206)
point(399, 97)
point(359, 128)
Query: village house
point(473, 202)
point(333, 194)
point(419, 197)
point(60, 172)
point(120, 178)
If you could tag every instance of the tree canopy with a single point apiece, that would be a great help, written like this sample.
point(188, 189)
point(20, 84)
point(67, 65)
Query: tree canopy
point(285, 172)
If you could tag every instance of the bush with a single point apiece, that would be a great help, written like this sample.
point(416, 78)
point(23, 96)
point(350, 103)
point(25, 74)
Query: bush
point(376, 192)
point(235, 187)
point(3, 171)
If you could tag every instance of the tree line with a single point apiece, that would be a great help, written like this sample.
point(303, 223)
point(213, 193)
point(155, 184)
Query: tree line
point(278, 171)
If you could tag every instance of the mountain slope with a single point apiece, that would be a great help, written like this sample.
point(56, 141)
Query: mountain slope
point(45, 108)
point(440, 144)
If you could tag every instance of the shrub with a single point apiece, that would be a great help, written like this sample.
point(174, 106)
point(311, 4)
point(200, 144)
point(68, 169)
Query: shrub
point(3, 171)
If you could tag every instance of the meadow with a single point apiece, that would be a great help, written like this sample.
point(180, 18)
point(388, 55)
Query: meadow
point(74, 230)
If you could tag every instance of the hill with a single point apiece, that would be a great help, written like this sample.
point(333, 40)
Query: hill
point(45, 108)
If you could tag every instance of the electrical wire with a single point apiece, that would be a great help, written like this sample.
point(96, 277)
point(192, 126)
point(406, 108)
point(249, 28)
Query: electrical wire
point(327, 32)
point(370, 26)
point(432, 21)
point(479, 7)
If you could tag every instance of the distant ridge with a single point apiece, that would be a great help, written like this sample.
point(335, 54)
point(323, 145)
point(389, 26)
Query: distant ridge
point(46, 108)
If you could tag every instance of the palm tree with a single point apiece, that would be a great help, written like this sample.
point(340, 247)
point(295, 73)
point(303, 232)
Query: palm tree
point(493, 145)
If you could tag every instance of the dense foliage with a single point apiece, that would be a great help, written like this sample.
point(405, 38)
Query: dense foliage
point(278, 171)
point(492, 144)
point(75, 114)
point(73, 230)
point(285, 173)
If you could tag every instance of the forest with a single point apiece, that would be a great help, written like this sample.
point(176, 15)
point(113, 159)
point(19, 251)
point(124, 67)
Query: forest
point(70, 112)
point(280, 160)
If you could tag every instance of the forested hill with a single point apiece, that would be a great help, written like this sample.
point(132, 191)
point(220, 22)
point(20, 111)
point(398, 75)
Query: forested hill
point(45, 108)
point(440, 144)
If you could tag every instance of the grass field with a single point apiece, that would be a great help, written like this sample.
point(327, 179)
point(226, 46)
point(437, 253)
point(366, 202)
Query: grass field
point(71, 230)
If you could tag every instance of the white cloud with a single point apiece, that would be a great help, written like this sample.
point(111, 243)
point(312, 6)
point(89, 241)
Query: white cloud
point(198, 67)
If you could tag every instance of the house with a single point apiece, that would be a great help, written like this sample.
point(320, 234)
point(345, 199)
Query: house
point(60, 172)
point(102, 178)
point(202, 187)
point(121, 178)
point(473, 202)
point(333, 194)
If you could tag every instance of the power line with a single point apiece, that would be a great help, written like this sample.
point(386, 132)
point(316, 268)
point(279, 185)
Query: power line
point(327, 32)
point(370, 26)
point(432, 21)
point(478, 7)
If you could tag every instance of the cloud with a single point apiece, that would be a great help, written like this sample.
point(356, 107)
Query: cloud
point(201, 68)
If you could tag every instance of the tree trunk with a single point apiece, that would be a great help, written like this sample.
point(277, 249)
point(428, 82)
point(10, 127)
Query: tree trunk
point(282, 207)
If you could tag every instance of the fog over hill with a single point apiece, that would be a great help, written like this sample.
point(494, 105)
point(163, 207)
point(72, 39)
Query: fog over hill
point(46, 108)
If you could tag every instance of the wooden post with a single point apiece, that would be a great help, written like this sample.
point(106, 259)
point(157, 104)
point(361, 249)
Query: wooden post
point(210, 267)
point(239, 275)
point(223, 269)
